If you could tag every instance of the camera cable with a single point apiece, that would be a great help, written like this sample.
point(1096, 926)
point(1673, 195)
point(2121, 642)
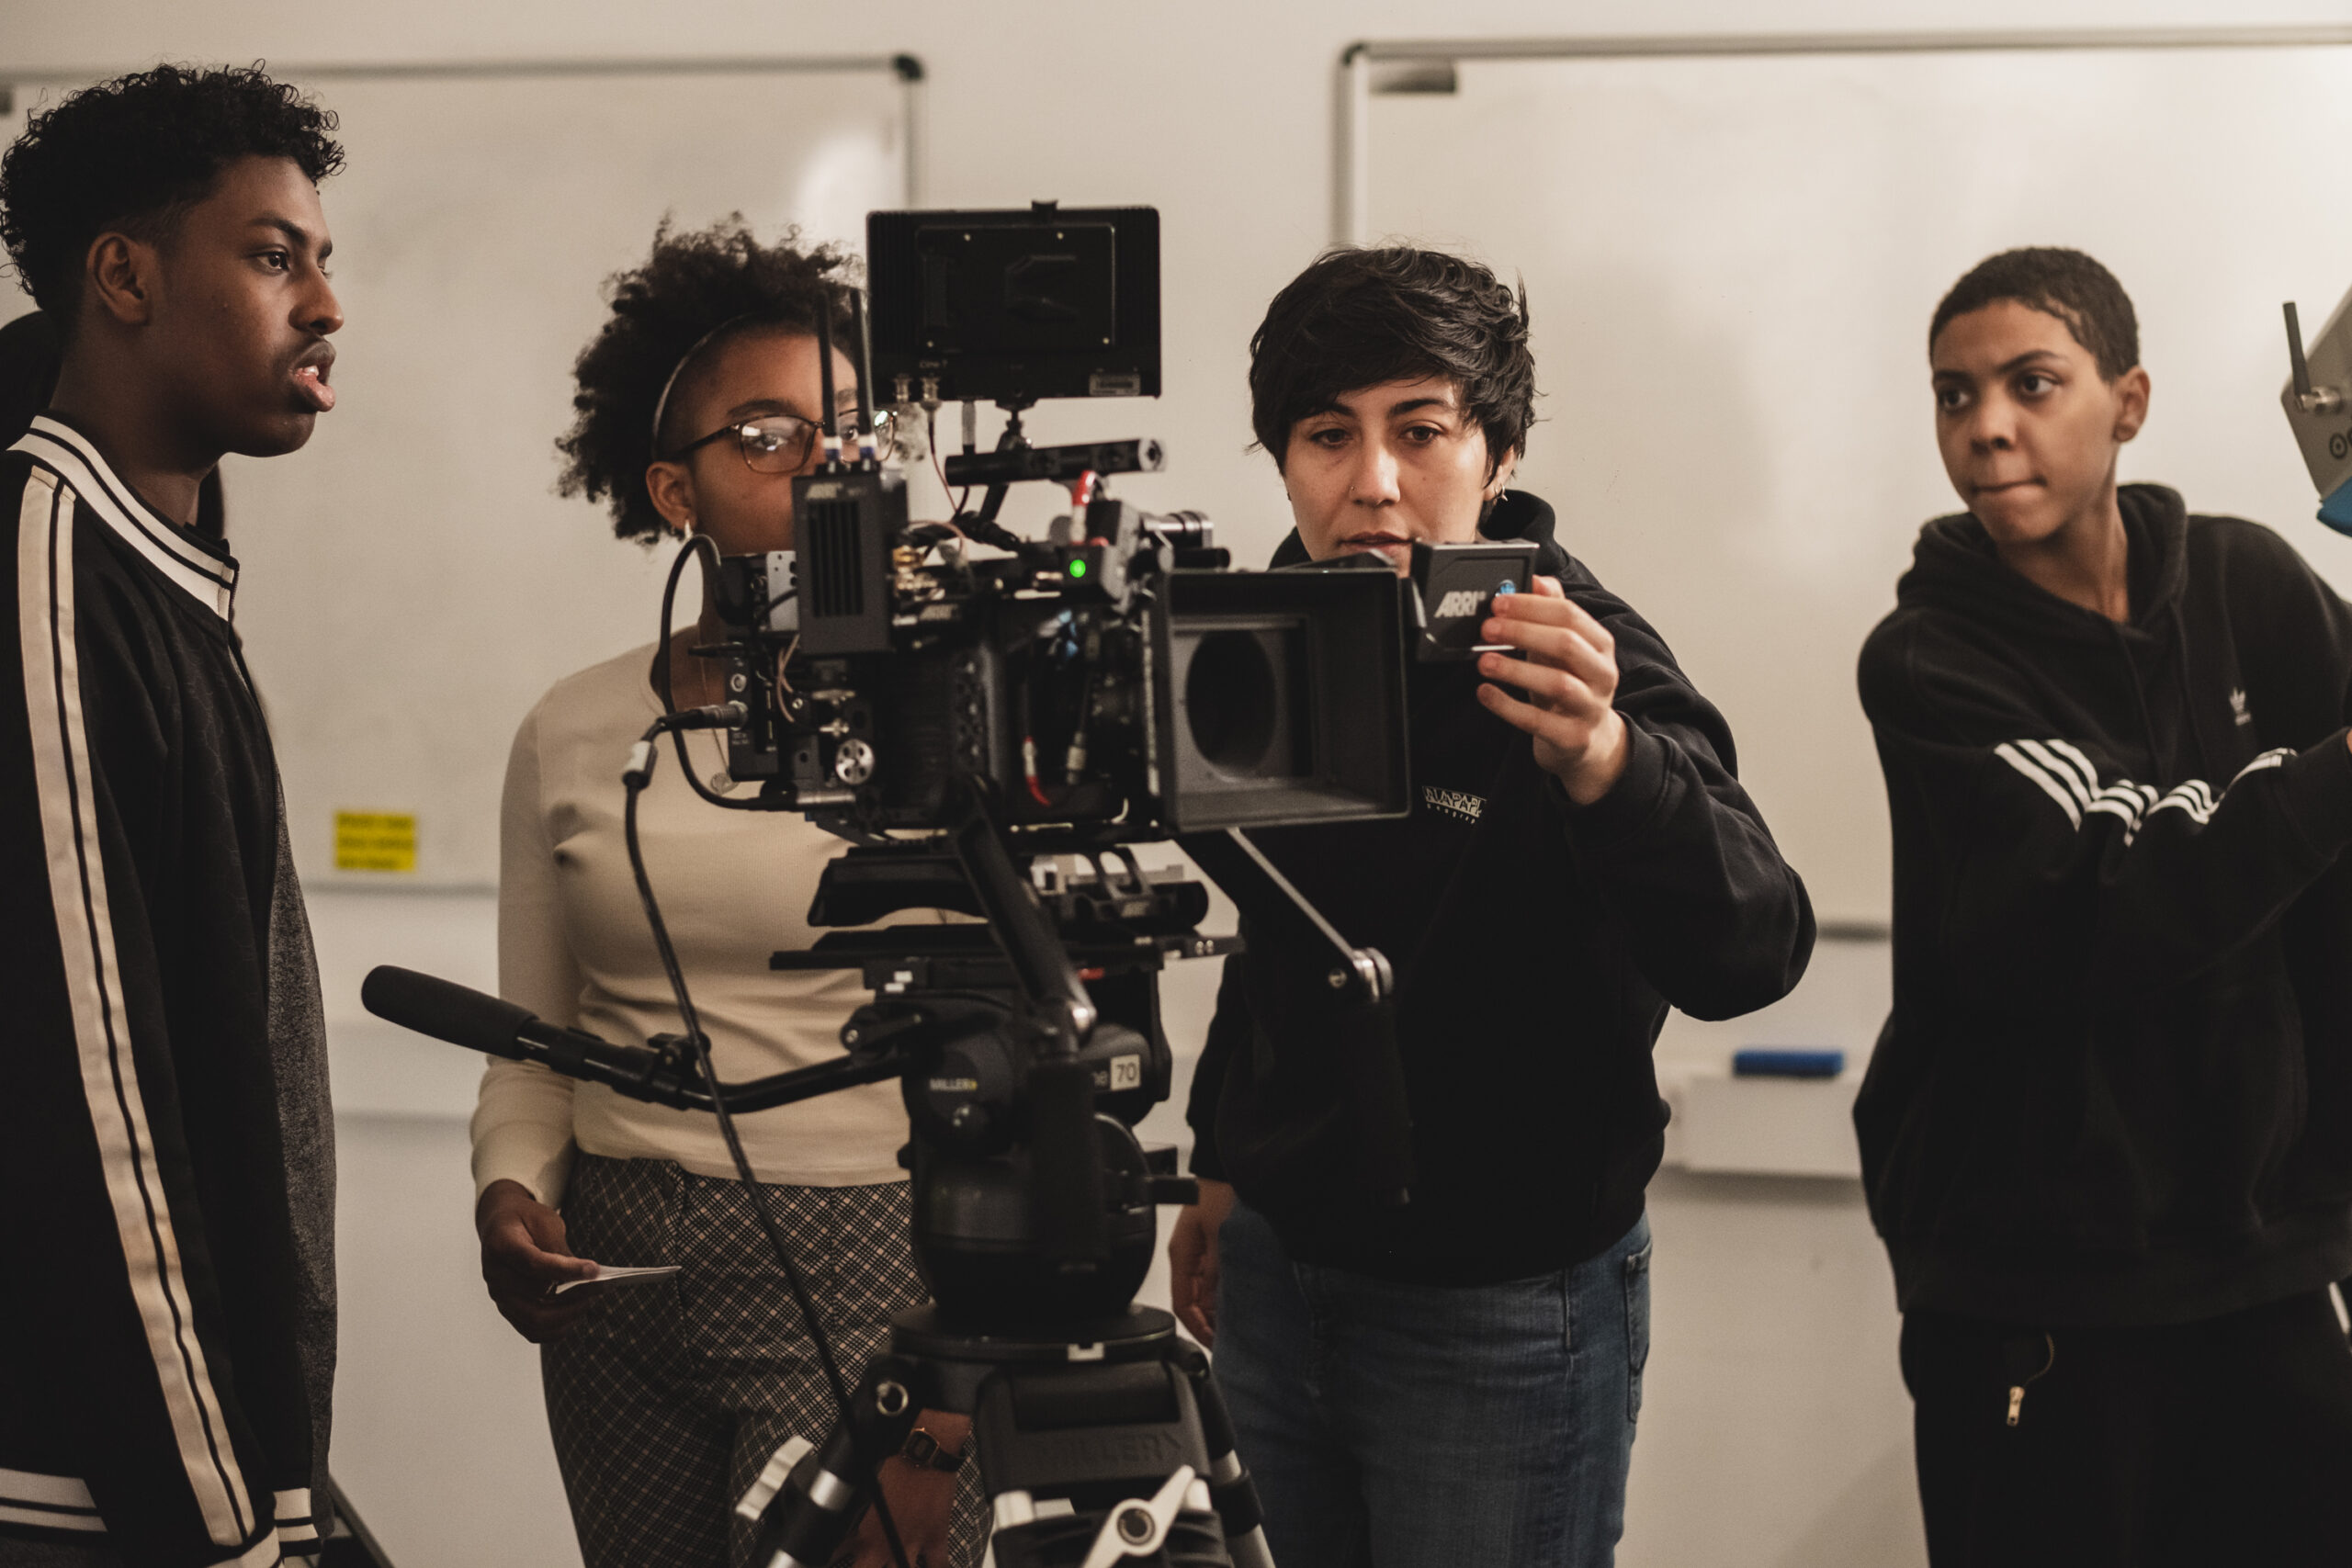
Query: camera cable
point(697, 546)
point(930, 439)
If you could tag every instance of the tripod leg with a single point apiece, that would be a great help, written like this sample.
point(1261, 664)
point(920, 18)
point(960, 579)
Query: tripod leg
point(1232, 1492)
point(808, 1499)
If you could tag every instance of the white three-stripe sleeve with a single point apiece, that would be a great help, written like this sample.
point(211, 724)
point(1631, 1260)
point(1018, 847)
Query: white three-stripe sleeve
point(144, 1223)
point(2062, 772)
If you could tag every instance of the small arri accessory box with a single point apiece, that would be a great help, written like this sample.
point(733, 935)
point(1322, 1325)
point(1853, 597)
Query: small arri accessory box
point(1455, 586)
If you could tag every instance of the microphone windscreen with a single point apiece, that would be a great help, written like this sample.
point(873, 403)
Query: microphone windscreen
point(444, 1010)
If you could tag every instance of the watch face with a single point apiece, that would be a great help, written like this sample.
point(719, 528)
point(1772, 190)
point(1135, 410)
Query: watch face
point(921, 1448)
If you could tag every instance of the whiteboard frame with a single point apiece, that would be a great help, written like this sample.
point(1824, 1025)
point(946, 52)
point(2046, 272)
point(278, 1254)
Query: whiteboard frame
point(907, 68)
point(1351, 141)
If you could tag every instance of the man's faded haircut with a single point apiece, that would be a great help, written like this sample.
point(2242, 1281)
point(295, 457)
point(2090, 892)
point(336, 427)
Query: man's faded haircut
point(2065, 283)
point(1359, 316)
point(132, 155)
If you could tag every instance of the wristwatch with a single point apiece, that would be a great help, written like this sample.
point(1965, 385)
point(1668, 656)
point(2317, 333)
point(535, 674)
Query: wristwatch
point(922, 1449)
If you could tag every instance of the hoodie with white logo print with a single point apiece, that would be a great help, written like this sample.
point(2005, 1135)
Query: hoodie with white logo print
point(2116, 1087)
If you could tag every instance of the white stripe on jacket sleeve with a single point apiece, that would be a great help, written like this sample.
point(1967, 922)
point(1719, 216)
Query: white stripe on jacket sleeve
point(110, 1075)
point(50, 1502)
point(2062, 772)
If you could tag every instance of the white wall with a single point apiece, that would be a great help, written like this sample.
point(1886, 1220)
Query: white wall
point(1776, 1433)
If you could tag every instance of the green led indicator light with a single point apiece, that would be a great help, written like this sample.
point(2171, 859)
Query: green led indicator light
point(1078, 568)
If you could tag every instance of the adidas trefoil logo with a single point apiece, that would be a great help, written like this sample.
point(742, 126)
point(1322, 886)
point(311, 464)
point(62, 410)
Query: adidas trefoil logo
point(2237, 705)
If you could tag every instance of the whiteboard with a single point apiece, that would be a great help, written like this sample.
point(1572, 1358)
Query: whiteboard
point(410, 581)
point(1731, 264)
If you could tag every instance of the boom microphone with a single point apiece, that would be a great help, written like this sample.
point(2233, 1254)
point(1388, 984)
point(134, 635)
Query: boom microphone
point(447, 1010)
point(463, 1016)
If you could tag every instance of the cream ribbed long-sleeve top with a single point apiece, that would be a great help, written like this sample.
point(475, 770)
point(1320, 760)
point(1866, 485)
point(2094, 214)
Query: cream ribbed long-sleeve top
point(573, 947)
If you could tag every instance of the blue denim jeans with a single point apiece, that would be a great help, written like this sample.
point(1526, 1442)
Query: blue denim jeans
point(1394, 1426)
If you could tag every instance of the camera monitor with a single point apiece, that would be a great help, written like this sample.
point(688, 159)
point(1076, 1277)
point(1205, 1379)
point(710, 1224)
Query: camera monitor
point(1011, 307)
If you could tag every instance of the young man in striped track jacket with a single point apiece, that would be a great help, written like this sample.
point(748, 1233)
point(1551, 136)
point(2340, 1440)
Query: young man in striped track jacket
point(2108, 1130)
point(167, 1176)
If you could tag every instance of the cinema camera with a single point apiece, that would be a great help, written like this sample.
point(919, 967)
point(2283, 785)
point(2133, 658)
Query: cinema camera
point(994, 723)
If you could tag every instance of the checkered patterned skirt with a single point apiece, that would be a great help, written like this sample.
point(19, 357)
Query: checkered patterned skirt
point(666, 1403)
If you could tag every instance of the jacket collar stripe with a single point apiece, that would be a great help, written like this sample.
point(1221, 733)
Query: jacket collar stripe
point(65, 452)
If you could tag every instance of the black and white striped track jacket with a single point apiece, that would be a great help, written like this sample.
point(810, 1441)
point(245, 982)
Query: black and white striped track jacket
point(167, 1164)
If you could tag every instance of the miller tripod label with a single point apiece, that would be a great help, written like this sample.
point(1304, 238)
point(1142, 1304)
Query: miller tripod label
point(1083, 1452)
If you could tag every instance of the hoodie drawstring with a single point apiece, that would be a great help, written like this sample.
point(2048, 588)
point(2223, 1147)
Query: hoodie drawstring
point(2139, 699)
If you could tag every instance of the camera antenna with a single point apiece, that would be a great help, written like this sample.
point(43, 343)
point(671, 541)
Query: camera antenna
point(829, 419)
point(866, 451)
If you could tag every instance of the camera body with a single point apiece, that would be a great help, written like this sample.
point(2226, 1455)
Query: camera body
point(963, 704)
point(1110, 681)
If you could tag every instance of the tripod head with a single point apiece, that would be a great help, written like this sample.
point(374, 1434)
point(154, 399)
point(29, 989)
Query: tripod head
point(1033, 1199)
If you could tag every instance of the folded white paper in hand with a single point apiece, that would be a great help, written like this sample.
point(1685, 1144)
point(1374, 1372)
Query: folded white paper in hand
point(613, 1276)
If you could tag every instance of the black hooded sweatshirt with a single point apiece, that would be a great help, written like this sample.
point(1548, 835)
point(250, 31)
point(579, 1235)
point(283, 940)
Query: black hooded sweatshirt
point(1536, 946)
point(2116, 1087)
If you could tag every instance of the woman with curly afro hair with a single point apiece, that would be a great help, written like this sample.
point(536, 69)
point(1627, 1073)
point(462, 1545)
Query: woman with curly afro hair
point(698, 404)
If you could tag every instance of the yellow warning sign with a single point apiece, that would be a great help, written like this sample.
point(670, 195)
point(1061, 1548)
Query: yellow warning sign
point(375, 841)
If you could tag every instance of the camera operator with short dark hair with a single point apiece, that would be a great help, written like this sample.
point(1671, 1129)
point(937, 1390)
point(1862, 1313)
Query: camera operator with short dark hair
point(1456, 1379)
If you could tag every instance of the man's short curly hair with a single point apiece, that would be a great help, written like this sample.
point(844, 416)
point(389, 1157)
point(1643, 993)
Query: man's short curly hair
point(2065, 283)
point(1358, 317)
point(713, 284)
point(133, 155)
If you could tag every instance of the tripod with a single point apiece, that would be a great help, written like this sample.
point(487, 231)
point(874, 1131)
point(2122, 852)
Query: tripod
point(1103, 1440)
point(1094, 1454)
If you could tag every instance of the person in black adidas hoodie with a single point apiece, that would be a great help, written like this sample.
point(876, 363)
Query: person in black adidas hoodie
point(1456, 1380)
point(166, 1161)
point(2107, 1132)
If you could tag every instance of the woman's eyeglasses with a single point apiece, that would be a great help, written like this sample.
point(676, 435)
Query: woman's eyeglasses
point(778, 442)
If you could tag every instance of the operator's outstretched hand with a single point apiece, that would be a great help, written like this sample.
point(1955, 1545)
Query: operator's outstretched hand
point(1569, 679)
point(525, 1258)
point(1192, 1260)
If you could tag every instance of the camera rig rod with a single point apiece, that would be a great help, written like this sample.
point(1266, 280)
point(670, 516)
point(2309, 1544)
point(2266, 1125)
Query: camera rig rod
point(1267, 898)
point(1360, 982)
point(1012, 466)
